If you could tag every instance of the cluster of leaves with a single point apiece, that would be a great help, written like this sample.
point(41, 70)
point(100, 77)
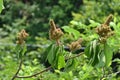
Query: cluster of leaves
point(99, 55)
point(96, 54)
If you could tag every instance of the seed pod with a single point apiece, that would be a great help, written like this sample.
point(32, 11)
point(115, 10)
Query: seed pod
point(109, 18)
point(54, 33)
point(104, 31)
point(75, 45)
point(22, 35)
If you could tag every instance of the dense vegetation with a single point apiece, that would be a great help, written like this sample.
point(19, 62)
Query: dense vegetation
point(59, 40)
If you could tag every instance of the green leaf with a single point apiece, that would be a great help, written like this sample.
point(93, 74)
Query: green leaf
point(56, 56)
point(96, 56)
point(52, 54)
point(101, 58)
point(45, 54)
point(88, 50)
point(71, 64)
point(116, 60)
point(108, 54)
point(92, 52)
point(61, 61)
point(93, 23)
point(24, 49)
point(96, 51)
point(20, 50)
point(74, 22)
point(1, 5)
point(17, 49)
point(71, 31)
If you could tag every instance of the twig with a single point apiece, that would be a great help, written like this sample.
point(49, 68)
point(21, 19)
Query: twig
point(103, 76)
point(58, 42)
point(17, 70)
point(33, 75)
point(74, 56)
point(110, 74)
point(113, 73)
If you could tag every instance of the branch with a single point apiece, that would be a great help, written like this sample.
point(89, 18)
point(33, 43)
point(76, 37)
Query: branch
point(17, 70)
point(74, 56)
point(34, 75)
point(103, 76)
point(110, 75)
point(113, 73)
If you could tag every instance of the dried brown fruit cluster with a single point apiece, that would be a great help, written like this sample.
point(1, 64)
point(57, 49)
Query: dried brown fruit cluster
point(104, 31)
point(22, 35)
point(75, 45)
point(54, 32)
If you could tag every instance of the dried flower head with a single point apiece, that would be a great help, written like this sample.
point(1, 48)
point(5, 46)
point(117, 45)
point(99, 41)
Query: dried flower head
point(109, 18)
point(54, 32)
point(75, 45)
point(22, 35)
point(104, 31)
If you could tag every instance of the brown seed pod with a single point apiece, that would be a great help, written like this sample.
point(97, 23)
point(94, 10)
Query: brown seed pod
point(109, 18)
point(54, 32)
point(75, 45)
point(104, 31)
point(22, 35)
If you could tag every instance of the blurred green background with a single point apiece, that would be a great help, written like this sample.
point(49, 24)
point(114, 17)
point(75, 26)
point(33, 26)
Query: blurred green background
point(34, 16)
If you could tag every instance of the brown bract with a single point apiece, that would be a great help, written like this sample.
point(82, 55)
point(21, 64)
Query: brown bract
point(104, 31)
point(75, 45)
point(22, 35)
point(54, 32)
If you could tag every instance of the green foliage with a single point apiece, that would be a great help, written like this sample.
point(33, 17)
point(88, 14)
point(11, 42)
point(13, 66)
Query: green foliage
point(20, 50)
point(71, 31)
point(76, 29)
point(55, 56)
point(99, 56)
point(93, 52)
point(52, 52)
point(9, 67)
point(97, 10)
point(34, 15)
point(1, 5)
point(60, 61)
point(108, 54)
point(71, 64)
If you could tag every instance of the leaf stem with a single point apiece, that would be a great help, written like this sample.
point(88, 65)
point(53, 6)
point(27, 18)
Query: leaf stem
point(58, 42)
point(74, 56)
